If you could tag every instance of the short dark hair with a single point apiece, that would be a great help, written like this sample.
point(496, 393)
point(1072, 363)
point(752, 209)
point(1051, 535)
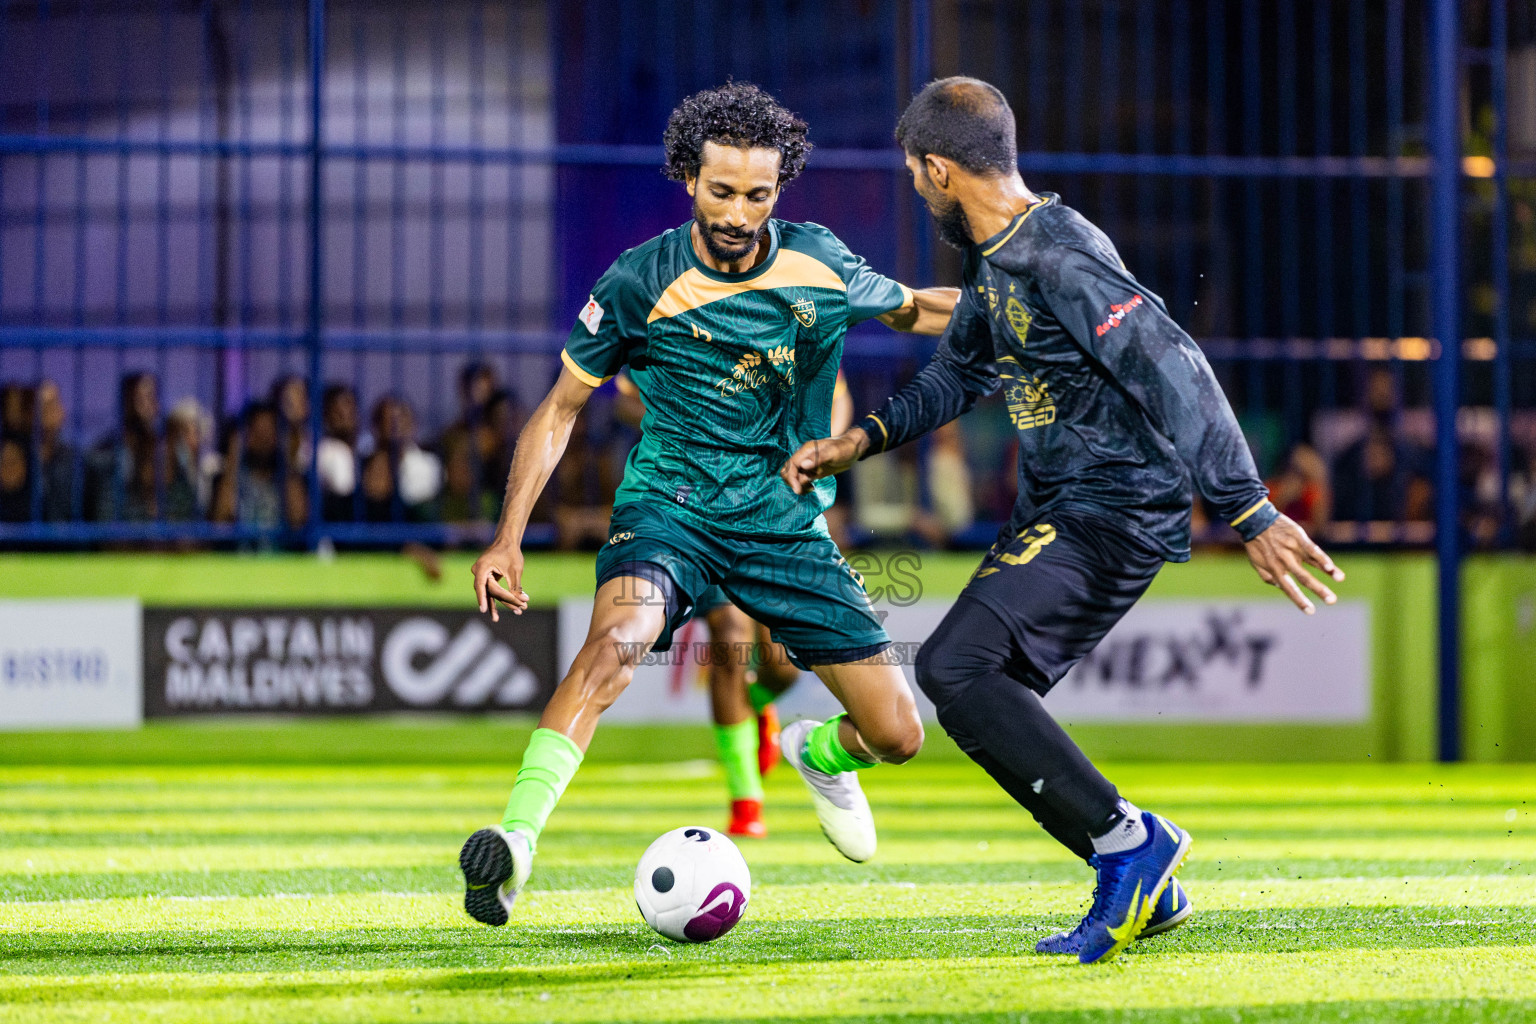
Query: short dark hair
point(473, 369)
point(736, 114)
point(962, 119)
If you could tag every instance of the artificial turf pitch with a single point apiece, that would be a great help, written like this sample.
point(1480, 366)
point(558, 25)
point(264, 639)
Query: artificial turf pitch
point(143, 886)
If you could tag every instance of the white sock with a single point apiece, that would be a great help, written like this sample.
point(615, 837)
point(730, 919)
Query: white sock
point(1129, 833)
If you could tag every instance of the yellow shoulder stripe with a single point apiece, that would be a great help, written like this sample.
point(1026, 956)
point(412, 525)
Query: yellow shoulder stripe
point(790, 270)
point(1018, 223)
point(586, 378)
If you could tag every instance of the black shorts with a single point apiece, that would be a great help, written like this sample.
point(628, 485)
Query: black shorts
point(1059, 586)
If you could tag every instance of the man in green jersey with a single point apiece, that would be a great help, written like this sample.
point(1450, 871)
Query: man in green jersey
point(732, 328)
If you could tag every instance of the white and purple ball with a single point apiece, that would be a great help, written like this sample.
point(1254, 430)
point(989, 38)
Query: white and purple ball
point(692, 884)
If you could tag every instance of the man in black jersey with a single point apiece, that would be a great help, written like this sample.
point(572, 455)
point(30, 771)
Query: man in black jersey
point(1119, 421)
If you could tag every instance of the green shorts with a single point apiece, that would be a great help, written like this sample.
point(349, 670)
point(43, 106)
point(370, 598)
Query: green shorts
point(801, 588)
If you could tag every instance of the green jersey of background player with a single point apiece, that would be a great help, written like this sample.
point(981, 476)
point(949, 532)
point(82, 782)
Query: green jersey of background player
point(732, 328)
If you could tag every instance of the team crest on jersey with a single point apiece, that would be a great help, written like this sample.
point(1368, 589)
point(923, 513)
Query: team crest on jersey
point(1018, 318)
point(805, 312)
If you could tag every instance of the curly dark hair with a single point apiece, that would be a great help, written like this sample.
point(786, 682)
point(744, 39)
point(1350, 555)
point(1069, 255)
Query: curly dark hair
point(735, 114)
point(964, 119)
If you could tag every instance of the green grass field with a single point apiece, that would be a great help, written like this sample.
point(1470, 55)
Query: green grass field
point(139, 886)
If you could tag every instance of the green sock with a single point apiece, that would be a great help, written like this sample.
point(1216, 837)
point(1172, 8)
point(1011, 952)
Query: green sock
point(824, 751)
point(738, 754)
point(760, 696)
point(548, 764)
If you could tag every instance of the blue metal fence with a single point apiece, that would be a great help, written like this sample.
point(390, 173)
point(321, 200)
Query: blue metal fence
point(221, 194)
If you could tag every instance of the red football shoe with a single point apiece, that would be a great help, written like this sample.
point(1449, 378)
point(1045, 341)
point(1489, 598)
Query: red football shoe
point(767, 739)
point(747, 819)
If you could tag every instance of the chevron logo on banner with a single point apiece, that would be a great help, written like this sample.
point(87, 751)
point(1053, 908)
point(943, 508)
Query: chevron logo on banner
point(425, 666)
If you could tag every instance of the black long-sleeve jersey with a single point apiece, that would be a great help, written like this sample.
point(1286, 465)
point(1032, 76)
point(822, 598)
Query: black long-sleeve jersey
point(1117, 410)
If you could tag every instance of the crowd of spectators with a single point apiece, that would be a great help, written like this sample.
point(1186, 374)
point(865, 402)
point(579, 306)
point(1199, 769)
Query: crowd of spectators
point(176, 466)
point(1365, 474)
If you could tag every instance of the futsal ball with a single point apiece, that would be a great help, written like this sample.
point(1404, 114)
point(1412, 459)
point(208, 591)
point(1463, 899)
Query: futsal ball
point(692, 884)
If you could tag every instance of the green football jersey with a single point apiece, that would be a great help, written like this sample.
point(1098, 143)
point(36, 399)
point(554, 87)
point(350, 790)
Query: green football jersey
point(736, 370)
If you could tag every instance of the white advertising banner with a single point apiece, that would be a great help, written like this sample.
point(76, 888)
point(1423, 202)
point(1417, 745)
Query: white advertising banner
point(1225, 661)
point(70, 664)
point(1166, 661)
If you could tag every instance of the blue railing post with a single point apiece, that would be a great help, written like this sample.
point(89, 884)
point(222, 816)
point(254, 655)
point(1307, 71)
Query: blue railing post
point(315, 322)
point(920, 67)
point(1445, 227)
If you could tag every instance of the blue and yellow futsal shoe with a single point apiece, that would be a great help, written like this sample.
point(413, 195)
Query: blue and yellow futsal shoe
point(1173, 909)
point(1129, 886)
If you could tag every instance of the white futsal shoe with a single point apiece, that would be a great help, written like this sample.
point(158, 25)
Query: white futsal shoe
point(840, 805)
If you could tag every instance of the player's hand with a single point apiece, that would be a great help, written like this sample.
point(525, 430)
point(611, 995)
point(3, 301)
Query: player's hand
point(1280, 554)
point(827, 457)
point(500, 562)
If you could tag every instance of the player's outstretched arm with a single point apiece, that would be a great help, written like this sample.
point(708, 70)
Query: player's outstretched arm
point(1280, 555)
point(499, 569)
point(960, 372)
point(927, 313)
point(828, 456)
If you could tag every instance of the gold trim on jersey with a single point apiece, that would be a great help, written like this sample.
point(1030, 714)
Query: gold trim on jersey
point(881, 424)
point(791, 269)
point(1019, 222)
point(576, 371)
point(1251, 511)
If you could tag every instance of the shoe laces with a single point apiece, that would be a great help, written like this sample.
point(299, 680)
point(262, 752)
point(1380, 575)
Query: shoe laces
point(1108, 874)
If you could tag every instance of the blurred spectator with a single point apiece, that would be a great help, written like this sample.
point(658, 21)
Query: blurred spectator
point(1481, 513)
point(495, 441)
point(477, 384)
point(190, 466)
point(477, 390)
point(415, 475)
point(290, 397)
point(585, 481)
point(337, 463)
point(949, 483)
point(253, 490)
point(460, 486)
point(122, 470)
point(1522, 496)
point(1383, 476)
point(15, 489)
point(16, 415)
point(888, 499)
point(17, 404)
point(55, 457)
point(1300, 488)
point(378, 488)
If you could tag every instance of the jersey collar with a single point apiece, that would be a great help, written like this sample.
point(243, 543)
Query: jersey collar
point(757, 271)
point(1000, 239)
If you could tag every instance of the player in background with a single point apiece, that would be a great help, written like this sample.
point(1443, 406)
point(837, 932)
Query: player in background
point(732, 328)
point(1119, 418)
point(743, 689)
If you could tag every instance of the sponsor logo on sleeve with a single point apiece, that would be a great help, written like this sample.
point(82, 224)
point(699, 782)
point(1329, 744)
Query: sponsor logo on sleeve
point(591, 314)
point(1116, 314)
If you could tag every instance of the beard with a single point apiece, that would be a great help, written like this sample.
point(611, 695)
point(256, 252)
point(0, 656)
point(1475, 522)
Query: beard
point(949, 218)
point(726, 244)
